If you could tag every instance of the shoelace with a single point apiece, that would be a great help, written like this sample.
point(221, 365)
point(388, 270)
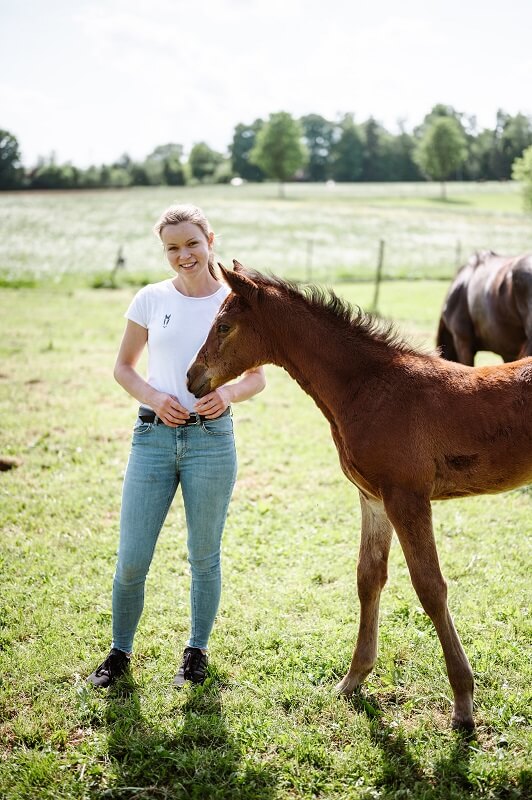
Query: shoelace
point(106, 666)
point(191, 661)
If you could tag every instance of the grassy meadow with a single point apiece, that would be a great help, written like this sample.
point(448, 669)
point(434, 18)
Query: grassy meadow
point(266, 725)
point(317, 232)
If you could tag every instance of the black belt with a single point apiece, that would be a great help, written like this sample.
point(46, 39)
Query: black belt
point(147, 415)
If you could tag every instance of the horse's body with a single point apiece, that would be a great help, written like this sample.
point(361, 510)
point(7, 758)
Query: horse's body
point(409, 428)
point(488, 307)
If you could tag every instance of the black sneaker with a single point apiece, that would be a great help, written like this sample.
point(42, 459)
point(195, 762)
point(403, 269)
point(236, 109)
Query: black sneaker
point(115, 665)
point(193, 668)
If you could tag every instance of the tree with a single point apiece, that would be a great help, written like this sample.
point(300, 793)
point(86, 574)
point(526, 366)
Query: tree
point(244, 138)
point(441, 149)
point(164, 165)
point(373, 167)
point(11, 172)
point(511, 137)
point(347, 152)
point(522, 171)
point(165, 151)
point(319, 138)
point(398, 156)
point(278, 149)
point(203, 162)
point(48, 174)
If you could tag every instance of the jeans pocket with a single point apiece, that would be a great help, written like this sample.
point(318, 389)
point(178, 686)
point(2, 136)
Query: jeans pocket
point(141, 427)
point(222, 426)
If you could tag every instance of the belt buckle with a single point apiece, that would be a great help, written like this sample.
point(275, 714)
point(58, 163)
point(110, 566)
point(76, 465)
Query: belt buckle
point(193, 418)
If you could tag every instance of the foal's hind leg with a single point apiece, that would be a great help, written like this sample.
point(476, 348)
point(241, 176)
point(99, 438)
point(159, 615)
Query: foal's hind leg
point(412, 519)
point(372, 572)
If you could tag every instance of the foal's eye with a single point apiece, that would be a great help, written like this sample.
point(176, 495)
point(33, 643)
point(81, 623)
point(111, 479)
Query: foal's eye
point(222, 328)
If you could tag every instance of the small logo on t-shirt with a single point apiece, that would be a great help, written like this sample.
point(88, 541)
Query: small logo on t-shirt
point(166, 320)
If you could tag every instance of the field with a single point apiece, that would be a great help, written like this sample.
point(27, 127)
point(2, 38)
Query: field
point(318, 232)
point(267, 725)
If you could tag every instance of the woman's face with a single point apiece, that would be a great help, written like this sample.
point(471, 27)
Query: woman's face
point(186, 248)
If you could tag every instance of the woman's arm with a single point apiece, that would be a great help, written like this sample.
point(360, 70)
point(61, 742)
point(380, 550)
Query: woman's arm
point(167, 408)
point(213, 404)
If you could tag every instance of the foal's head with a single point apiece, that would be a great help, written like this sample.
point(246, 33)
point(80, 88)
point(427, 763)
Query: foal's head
point(234, 343)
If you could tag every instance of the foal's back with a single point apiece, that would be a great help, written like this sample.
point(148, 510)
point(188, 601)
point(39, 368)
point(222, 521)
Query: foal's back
point(477, 424)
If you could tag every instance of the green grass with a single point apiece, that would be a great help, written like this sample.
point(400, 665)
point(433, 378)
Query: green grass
point(317, 232)
point(266, 725)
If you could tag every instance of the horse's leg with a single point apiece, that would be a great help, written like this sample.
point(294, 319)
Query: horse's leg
point(372, 572)
point(411, 517)
point(465, 349)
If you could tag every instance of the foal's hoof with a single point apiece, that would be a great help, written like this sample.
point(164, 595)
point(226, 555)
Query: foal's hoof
point(465, 725)
point(346, 687)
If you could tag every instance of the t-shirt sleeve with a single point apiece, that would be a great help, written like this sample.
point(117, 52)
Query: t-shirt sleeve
point(138, 309)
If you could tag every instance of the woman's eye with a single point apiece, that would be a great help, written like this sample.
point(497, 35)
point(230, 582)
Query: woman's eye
point(222, 328)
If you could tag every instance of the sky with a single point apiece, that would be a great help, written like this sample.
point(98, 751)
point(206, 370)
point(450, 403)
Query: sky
point(89, 80)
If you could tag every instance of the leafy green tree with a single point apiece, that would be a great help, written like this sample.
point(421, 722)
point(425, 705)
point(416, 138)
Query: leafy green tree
point(11, 172)
point(347, 152)
point(441, 150)
point(50, 175)
point(522, 171)
point(512, 135)
point(174, 172)
point(373, 163)
point(318, 135)
point(244, 138)
point(165, 151)
point(398, 157)
point(203, 162)
point(278, 149)
point(164, 165)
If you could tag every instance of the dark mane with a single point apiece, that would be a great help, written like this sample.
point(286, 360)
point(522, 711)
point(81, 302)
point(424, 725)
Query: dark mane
point(325, 302)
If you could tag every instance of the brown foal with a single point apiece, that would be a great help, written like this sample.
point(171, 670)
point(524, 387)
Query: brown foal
point(409, 428)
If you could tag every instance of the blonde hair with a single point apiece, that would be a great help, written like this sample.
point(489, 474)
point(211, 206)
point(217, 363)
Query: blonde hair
point(175, 214)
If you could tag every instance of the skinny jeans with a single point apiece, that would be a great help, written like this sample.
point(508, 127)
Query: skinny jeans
point(202, 460)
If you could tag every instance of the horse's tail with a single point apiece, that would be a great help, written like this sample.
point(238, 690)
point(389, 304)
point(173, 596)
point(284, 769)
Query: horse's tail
point(445, 342)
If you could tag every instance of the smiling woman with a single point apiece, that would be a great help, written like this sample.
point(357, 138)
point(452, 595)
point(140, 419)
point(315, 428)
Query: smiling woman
point(177, 440)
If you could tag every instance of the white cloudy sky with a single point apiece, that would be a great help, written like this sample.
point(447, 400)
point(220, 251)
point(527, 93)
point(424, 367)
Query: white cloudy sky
point(92, 79)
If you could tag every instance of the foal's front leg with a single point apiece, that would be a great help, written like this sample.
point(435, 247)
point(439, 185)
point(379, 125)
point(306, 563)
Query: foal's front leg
point(372, 572)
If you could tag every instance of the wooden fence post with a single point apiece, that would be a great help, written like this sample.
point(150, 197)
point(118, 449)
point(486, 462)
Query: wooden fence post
point(310, 244)
point(378, 278)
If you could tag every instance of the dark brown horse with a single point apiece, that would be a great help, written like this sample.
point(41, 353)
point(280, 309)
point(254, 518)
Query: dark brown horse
point(488, 307)
point(409, 428)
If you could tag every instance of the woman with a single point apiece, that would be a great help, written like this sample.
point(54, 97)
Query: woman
point(177, 440)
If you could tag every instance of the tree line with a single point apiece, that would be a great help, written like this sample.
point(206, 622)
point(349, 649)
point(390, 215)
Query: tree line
point(447, 145)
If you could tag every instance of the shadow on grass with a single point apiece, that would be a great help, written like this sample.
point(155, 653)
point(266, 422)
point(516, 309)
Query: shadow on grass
point(195, 759)
point(449, 201)
point(449, 778)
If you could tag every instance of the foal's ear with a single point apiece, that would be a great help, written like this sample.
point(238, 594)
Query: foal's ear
point(239, 283)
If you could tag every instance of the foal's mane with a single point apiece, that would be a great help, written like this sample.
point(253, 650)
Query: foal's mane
point(323, 302)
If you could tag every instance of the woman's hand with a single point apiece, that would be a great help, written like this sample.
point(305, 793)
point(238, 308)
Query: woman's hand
point(169, 410)
point(214, 403)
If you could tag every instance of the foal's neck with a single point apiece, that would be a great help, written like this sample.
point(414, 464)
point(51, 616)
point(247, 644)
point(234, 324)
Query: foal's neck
point(323, 355)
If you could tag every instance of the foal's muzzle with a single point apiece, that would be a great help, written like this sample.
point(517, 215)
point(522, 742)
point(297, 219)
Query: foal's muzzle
point(197, 381)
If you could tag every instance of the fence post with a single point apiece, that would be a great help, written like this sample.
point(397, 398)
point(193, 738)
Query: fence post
point(120, 263)
point(310, 244)
point(378, 277)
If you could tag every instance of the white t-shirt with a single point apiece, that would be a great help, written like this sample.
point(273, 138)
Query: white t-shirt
point(177, 326)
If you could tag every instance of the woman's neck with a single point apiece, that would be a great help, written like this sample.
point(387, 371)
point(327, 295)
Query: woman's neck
point(201, 286)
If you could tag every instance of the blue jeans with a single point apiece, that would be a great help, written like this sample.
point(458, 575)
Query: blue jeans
point(202, 459)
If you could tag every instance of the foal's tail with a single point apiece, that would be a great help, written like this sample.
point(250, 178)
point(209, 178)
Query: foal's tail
point(445, 342)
